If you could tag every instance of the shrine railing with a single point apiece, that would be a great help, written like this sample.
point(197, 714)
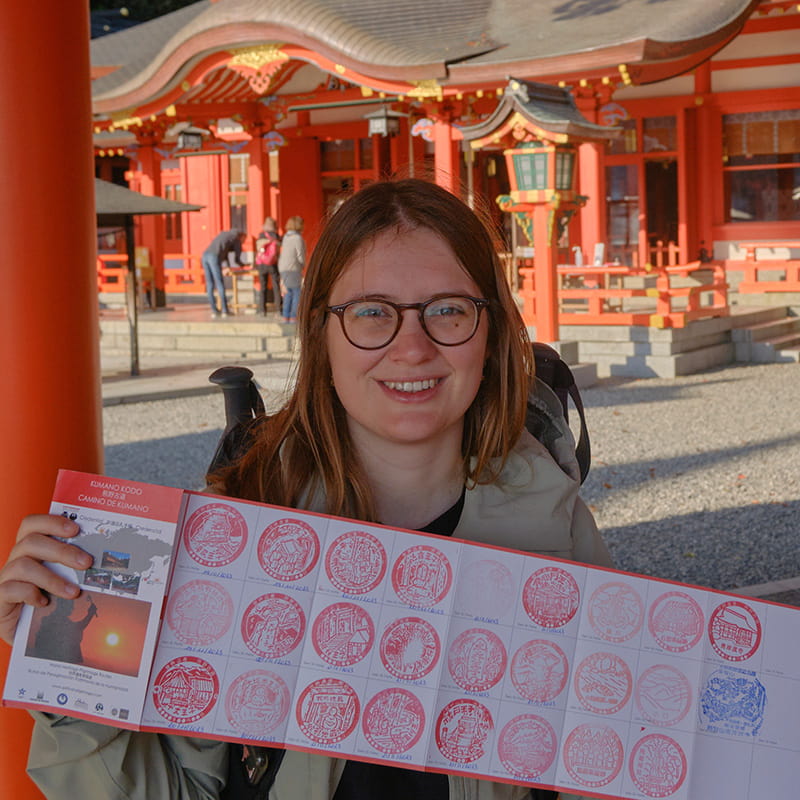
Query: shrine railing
point(183, 273)
point(656, 297)
point(763, 275)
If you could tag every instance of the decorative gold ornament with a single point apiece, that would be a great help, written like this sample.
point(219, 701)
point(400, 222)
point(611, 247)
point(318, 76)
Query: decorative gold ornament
point(427, 88)
point(259, 64)
point(257, 56)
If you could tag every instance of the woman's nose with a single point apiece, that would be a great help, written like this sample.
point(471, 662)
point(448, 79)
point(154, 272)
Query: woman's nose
point(411, 342)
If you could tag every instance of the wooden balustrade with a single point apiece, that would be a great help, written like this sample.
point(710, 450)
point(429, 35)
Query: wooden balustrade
point(753, 267)
point(600, 296)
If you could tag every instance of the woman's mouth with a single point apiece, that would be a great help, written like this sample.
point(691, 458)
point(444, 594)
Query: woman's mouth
point(411, 387)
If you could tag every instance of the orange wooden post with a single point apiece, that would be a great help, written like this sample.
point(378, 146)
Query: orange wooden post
point(544, 267)
point(445, 156)
point(51, 407)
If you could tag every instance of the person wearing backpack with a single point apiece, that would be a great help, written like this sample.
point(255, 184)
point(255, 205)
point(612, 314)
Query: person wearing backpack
point(268, 245)
point(409, 410)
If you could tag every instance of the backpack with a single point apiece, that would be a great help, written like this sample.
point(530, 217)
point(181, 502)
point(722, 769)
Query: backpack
point(268, 252)
point(252, 769)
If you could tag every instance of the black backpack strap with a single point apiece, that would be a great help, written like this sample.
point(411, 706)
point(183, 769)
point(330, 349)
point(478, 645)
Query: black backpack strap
point(553, 370)
point(243, 407)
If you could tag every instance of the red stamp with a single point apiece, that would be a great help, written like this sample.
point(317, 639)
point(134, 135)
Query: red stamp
point(539, 671)
point(288, 549)
point(486, 589)
point(477, 659)
point(550, 597)
point(603, 683)
point(676, 621)
point(462, 729)
point(663, 695)
point(356, 562)
point(527, 746)
point(734, 630)
point(593, 754)
point(616, 612)
point(393, 721)
point(410, 648)
point(328, 710)
point(422, 576)
point(273, 625)
point(200, 612)
point(257, 702)
point(185, 689)
point(657, 765)
point(343, 634)
point(215, 535)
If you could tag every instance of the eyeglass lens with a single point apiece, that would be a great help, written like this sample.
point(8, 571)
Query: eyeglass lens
point(374, 323)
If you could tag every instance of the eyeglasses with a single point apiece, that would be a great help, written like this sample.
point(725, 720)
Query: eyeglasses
point(448, 320)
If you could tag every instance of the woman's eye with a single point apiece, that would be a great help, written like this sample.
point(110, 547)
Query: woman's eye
point(370, 311)
point(448, 309)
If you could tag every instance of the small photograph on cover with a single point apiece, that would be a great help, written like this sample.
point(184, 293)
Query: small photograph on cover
point(98, 631)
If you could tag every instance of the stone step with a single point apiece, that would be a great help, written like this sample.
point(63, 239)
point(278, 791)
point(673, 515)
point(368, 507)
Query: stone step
point(766, 331)
point(743, 316)
point(784, 348)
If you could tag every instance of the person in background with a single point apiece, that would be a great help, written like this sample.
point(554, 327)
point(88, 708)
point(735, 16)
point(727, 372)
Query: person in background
point(268, 246)
point(214, 260)
point(408, 410)
point(291, 263)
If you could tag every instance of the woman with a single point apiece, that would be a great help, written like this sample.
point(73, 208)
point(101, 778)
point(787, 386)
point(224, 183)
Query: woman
point(408, 410)
point(268, 245)
point(291, 263)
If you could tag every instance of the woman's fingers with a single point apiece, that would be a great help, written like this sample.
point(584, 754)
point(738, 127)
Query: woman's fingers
point(49, 524)
point(24, 579)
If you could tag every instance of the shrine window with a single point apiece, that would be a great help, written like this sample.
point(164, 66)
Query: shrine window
point(238, 165)
point(173, 226)
point(762, 166)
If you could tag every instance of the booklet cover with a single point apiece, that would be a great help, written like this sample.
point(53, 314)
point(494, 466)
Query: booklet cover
point(322, 634)
point(91, 657)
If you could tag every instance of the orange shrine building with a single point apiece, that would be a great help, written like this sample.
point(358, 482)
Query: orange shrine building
point(279, 109)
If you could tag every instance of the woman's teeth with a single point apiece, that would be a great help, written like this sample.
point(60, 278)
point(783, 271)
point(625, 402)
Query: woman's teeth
point(411, 386)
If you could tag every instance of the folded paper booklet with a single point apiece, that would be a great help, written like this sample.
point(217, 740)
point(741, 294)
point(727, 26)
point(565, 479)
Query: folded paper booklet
point(245, 622)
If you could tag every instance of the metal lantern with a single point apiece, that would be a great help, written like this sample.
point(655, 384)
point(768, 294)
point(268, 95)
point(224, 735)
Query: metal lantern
point(190, 140)
point(384, 122)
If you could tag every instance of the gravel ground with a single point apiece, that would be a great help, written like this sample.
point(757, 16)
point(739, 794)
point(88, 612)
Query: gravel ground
point(694, 479)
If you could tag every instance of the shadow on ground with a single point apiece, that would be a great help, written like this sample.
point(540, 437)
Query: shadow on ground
point(676, 548)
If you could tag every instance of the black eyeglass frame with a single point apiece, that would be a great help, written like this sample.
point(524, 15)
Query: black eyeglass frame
point(479, 302)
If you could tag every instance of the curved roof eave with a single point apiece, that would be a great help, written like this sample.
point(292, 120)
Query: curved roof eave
point(163, 71)
point(474, 41)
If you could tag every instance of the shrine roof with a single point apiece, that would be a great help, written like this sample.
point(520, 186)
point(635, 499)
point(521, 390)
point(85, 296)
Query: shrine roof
point(113, 200)
point(462, 42)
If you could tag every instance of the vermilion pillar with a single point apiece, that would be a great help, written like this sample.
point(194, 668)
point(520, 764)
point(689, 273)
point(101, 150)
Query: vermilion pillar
point(50, 407)
point(148, 182)
point(445, 156)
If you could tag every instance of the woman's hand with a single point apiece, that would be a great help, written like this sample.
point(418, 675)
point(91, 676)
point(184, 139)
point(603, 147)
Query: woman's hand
point(25, 579)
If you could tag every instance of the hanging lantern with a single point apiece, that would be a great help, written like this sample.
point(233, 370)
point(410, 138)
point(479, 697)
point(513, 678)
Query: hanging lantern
point(384, 122)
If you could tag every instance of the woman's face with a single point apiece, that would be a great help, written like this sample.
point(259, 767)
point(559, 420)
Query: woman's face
point(412, 391)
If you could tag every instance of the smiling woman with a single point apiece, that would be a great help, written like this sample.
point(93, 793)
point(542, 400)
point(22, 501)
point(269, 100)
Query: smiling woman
point(408, 410)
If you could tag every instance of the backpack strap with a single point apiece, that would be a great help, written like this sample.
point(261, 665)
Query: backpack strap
point(552, 370)
point(243, 407)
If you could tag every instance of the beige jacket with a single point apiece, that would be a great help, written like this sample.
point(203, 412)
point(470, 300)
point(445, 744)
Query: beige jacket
point(533, 506)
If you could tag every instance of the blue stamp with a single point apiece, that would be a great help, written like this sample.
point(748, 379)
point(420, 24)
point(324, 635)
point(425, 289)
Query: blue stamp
point(732, 702)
